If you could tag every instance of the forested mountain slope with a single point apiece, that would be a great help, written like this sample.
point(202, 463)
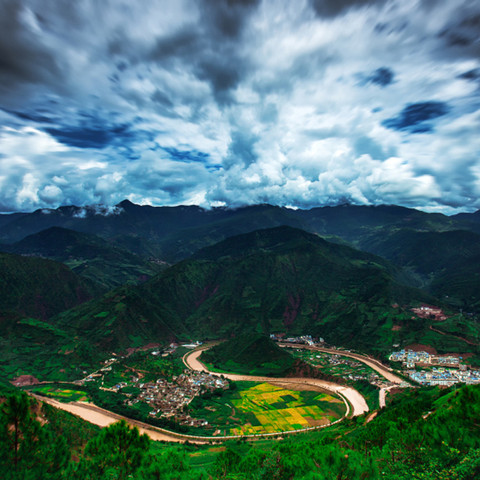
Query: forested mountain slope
point(38, 287)
point(105, 263)
point(279, 279)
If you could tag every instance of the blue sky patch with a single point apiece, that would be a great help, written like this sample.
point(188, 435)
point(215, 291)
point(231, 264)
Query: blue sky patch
point(187, 155)
point(416, 117)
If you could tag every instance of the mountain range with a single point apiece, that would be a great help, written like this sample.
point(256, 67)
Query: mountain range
point(157, 274)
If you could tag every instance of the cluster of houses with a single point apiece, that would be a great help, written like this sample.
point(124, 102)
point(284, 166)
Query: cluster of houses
point(430, 311)
point(438, 375)
point(409, 359)
point(445, 376)
point(303, 339)
point(168, 398)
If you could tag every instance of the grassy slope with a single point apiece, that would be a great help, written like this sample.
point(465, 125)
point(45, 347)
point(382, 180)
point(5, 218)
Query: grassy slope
point(446, 263)
point(280, 279)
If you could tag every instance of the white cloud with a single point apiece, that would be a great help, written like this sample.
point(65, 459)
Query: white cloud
point(277, 101)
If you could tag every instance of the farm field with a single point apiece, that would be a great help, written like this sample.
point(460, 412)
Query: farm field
point(61, 394)
point(266, 408)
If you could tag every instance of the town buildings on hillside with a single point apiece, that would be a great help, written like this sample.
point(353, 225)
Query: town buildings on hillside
point(438, 374)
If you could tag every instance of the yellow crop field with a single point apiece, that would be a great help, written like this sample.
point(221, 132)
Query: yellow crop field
point(269, 408)
point(325, 397)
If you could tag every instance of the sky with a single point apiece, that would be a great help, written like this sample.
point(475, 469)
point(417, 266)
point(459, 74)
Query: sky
point(299, 103)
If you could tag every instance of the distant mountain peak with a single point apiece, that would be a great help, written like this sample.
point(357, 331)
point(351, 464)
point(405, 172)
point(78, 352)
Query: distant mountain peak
point(125, 204)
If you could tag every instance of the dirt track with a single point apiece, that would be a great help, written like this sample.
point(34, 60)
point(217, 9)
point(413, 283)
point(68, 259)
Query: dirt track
point(356, 400)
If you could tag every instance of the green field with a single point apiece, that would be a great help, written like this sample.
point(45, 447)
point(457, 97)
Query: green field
point(61, 394)
point(266, 408)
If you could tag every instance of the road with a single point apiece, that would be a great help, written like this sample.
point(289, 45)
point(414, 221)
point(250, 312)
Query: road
point(355, 399)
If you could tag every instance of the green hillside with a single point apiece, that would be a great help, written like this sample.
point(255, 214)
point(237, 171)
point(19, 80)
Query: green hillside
point(445, 263)
point(103, 262)
point(276, 280)
point(40, 288)
point(249, 354)
point(423, 433)
point(269, 281)
point(165, 235)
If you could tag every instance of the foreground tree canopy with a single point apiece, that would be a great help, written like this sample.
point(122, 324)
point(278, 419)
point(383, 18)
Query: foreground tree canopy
point(429, 433)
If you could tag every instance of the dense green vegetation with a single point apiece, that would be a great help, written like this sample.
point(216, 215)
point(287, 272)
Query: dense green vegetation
point(280, 279)
point(38, 288)
point(107, 265)
point(249, 354)
point(446, 263)
point(427, 433)
point(276, 280)
point(174, 233)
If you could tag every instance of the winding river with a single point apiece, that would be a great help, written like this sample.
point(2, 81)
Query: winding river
point(354, 401)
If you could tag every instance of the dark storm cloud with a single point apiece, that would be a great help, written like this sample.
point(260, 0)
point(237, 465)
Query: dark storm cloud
point(92, 131)
point(24, 57)
point(471, 74)
point(86, 137)
point(227, 17)
point(416, 117)
point(33, 116)
point(461, 34)
point(212, 48)
point(211, 101)
point(212, 58)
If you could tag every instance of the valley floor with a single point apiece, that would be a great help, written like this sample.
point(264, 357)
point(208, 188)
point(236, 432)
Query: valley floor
point(354, 398)
point(354, 402)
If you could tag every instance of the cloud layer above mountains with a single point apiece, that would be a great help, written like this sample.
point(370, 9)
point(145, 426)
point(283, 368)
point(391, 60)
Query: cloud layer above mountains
point(233, 102)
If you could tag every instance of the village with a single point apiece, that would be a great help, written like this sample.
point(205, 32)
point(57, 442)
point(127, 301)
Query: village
point(437, 372)
point(444, 376)
point(165, 398)
point(410, 358)
point(169, 399)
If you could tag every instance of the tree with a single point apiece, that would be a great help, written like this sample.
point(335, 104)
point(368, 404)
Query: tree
point(17, 418)
point(117, 451)
point(28, 450)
